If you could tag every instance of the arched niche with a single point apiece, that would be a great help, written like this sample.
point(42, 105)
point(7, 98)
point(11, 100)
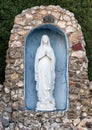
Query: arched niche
point(59, 44)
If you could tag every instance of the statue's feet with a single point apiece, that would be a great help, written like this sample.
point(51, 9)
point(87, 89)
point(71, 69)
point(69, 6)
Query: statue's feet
point(46, 106)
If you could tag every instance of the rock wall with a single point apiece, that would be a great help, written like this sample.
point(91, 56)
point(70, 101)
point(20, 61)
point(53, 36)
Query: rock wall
point(12, 113)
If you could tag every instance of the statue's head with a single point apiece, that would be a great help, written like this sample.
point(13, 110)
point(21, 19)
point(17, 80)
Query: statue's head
point(45, 40)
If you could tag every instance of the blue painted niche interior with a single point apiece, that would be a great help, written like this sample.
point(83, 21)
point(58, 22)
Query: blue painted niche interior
point(59, 44)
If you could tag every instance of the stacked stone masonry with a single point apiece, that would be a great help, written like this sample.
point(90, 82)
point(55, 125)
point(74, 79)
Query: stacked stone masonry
point(12, 113)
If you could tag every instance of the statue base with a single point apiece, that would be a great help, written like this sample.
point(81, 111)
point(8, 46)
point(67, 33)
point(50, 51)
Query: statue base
point(45, 106)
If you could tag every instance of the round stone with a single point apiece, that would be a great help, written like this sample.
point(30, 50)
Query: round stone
point(15, 115)
point(78, 107)
point(84, 114)
point(20, 84)
point(70, 29)
point(5, 122)
point(14, 76)
point(22, 66)
point(58, 120)
point(75, 37)
point(29, 16)
point(13, 92)
point(7, 90)
point(14, 97)
point(6, 98)
point(15, 106)
point(66, 18)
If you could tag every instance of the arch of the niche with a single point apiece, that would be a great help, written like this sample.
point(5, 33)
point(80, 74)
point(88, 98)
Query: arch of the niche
point(55, 29)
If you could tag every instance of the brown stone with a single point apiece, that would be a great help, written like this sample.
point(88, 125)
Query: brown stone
point(90, 111)
point(13, 37)
point(85, 102)
point(77, 46)
point(72, 115)
point(71, 82)
point(43, 12)
point(75, 37)
point(14, 76)
point(15, 105)
point(19, 21)
point(15, 115)
point(81, 91)
point(23, 32)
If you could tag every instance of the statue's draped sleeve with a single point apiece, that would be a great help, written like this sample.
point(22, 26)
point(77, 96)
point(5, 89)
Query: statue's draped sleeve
point(52, 57)
point(39, 55)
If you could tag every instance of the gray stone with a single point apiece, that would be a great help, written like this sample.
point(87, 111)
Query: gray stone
point(1, 87)
point(7, 90)
point(5, 122)
point(6, 98)
point(58, 120)
point(20, 125)
point(0, 95)
point(1, 126)
point(14, 97)
point(8, 128)
point(8, 109)
point(12, 126)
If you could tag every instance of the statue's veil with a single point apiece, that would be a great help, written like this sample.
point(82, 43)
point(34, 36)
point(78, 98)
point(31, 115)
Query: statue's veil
point(48, 40)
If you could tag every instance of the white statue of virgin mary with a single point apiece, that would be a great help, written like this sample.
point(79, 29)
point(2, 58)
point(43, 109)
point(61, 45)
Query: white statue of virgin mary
point(45, 75)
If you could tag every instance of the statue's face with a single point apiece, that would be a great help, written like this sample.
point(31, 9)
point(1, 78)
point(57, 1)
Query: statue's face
point(45, 39)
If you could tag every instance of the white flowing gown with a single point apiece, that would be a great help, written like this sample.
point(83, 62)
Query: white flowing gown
point(45, 75)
